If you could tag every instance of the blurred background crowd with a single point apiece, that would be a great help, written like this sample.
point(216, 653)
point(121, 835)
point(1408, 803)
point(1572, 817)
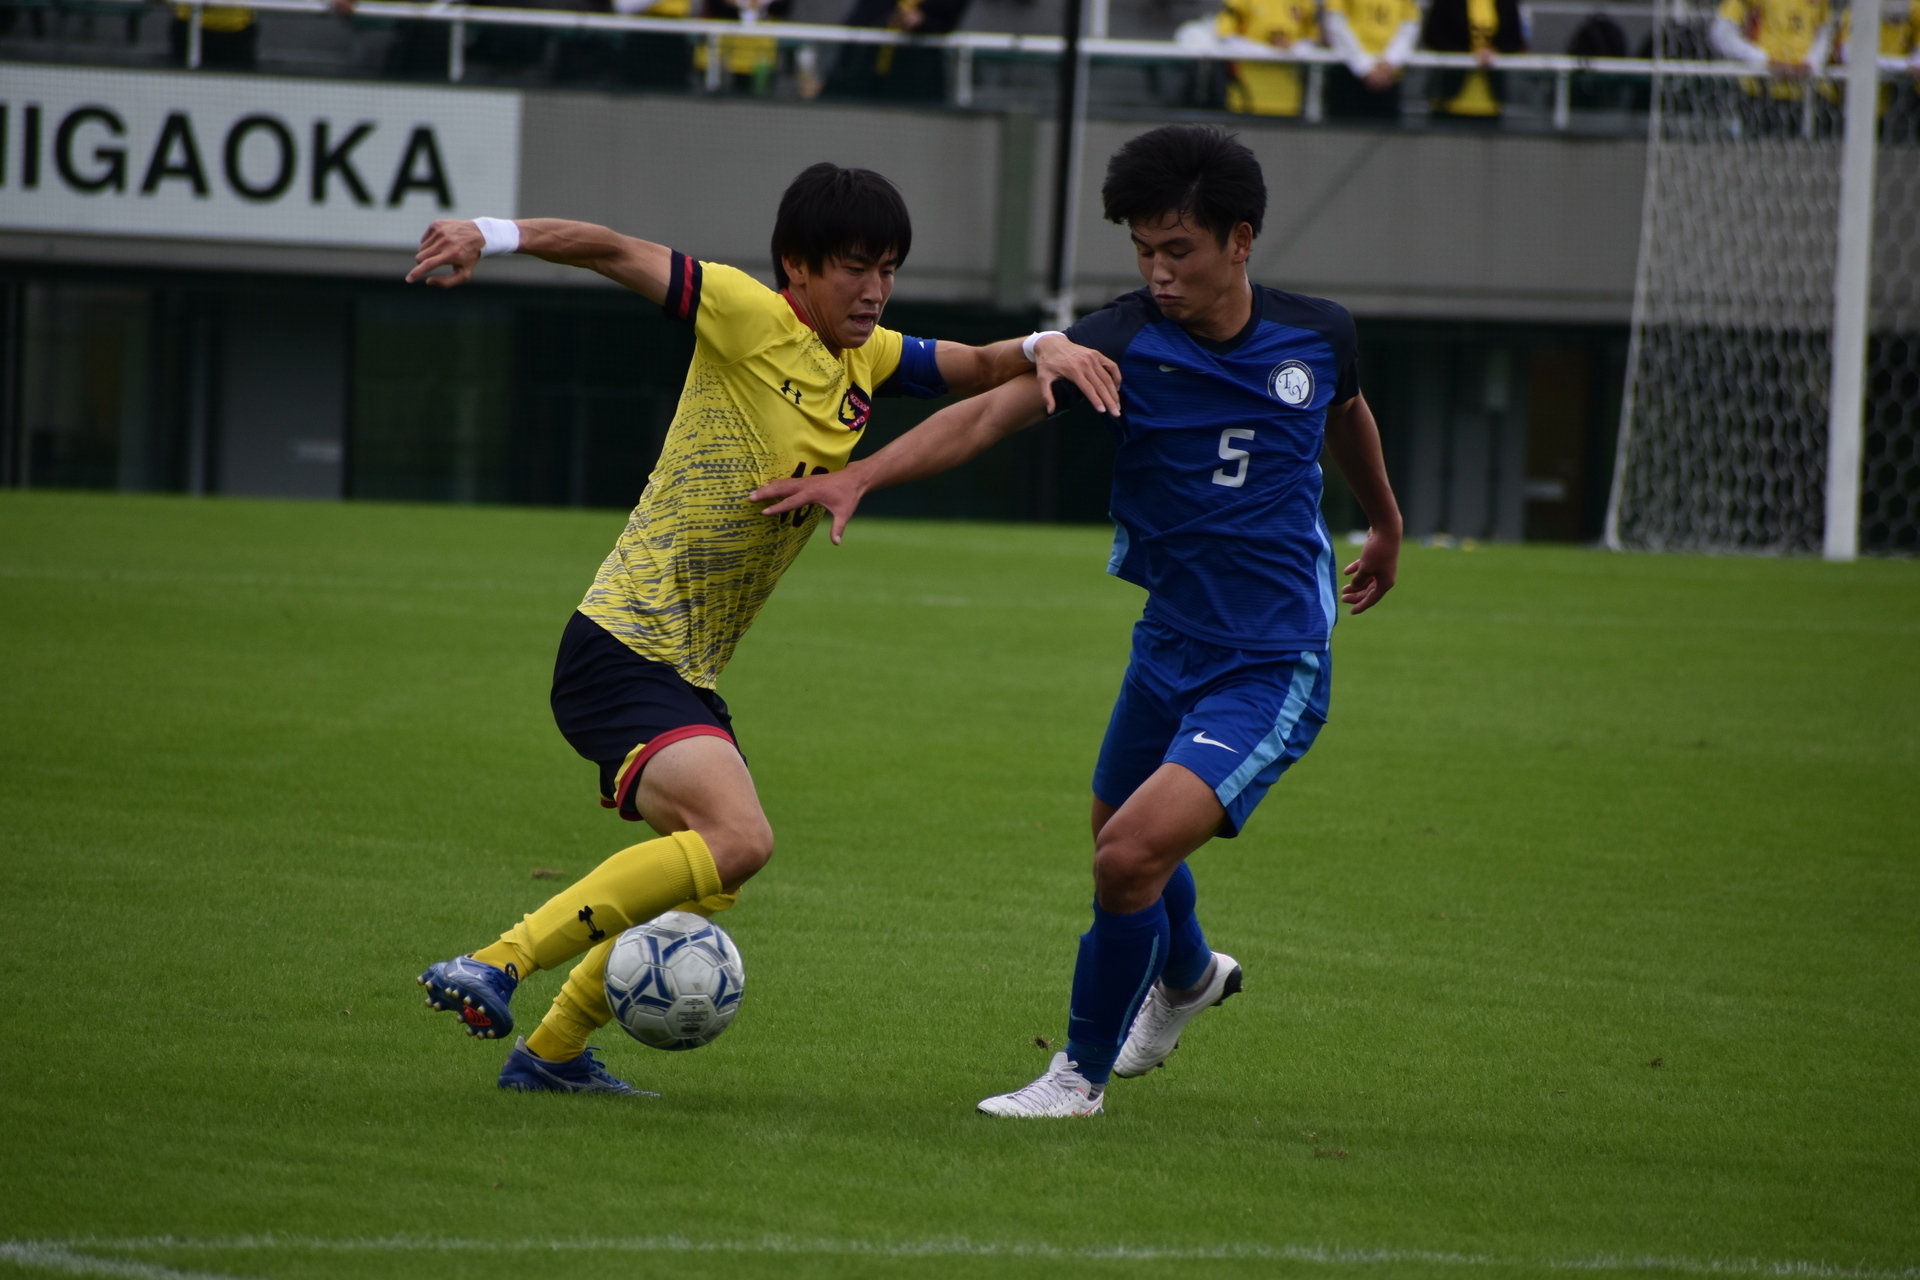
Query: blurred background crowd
point(1367, 78)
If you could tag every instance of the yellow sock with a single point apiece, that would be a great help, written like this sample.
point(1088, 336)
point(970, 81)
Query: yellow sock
point(632, 886)
point(711, 905)
point(581, 1008)
point(577, 1012)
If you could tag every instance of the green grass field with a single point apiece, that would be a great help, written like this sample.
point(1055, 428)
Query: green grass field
point(1587, 936)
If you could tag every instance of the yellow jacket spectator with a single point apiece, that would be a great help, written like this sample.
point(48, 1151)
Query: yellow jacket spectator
point(1373, 38)
point(1791, 37)
point(228, 37)
point(1266, 88)
point(1899, 36)
point(1484, 28)
point(750, 60)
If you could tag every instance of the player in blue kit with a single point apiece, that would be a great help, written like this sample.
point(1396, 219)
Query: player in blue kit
point(1230, 393)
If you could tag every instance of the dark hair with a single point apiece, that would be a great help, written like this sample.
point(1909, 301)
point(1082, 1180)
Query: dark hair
point(1198, 171)
point(829, 212)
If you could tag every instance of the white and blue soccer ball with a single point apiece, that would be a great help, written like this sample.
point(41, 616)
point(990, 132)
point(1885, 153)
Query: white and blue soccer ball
point(675, 982)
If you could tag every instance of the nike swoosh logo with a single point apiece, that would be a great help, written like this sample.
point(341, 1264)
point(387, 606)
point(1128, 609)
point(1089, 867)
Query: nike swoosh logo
point(1202, 738)
point(1167, 368)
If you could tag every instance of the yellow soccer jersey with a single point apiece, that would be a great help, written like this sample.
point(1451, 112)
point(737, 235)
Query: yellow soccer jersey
point(1785, 29)
point(763, 400)
point(1374, 23)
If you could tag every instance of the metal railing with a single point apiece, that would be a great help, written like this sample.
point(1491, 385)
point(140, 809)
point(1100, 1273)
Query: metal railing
point(964, 45)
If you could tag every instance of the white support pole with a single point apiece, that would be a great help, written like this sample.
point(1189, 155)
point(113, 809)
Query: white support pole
point(963, 76)
point(193, 36)
point(456, 51)
point(716, 70)
point(1853, 284)
point(1316, 105)
point(1562, 100)
point(1656, 136)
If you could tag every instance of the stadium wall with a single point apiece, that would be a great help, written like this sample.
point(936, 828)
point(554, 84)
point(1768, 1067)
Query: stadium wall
point(1480, 264)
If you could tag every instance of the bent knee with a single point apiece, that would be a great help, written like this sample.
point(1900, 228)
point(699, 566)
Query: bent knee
point(739, 850)
point(1122, 868)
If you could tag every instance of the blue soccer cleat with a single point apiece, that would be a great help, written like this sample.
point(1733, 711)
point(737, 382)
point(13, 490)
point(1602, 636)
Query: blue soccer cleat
point(529, 1073)
point(478, 992)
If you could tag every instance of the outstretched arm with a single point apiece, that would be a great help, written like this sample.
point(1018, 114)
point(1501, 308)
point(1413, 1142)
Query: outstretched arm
point(1353, 438)
point(640, 265)
point(950, 437)
point(968, 371)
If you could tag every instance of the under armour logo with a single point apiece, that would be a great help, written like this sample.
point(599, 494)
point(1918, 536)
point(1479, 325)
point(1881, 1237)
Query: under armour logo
point(786, 389)
point(594, 931)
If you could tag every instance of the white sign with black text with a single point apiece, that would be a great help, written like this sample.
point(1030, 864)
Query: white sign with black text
point(226, 157)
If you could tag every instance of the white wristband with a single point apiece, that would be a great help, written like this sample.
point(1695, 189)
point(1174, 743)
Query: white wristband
point(501, 234)
point(1033, 340)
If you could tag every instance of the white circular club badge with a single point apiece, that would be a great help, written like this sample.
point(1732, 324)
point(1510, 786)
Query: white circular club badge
point(1291, 383)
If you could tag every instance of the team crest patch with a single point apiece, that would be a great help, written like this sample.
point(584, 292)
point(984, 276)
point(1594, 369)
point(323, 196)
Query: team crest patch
point(855, 409)
point(1291, 383)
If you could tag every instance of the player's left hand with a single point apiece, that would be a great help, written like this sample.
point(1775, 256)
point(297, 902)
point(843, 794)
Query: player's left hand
point(449, 242)
point(1097, 377)
point(839, 492)
point(1373, 572)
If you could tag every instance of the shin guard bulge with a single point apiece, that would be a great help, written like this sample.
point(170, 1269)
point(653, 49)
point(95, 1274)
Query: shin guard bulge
point(1120, 959)
point(579, 1009)
point(1188, 954)
point(631, 887)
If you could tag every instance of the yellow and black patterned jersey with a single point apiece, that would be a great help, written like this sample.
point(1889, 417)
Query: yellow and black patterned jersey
point(764, 399)
point(1375, 22)
point(1785, 29)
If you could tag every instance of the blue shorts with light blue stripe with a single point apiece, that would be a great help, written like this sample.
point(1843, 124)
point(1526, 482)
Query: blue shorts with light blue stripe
point(1235, 718)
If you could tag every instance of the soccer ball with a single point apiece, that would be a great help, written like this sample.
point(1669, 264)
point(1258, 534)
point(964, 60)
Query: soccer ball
point(675, 982)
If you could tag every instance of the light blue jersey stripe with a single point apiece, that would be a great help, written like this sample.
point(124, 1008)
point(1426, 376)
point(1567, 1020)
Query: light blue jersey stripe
point(1306, 673)
point(1153, 971)
point(1323, 569)
point(1119, 555)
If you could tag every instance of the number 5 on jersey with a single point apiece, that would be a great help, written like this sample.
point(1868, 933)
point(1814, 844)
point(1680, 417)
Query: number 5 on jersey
point(1238, 457)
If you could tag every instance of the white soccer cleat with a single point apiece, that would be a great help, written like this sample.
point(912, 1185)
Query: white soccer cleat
point(1063, 1091)
point(1155, 1033)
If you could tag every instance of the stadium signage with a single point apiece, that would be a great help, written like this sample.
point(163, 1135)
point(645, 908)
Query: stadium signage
point(249, 158)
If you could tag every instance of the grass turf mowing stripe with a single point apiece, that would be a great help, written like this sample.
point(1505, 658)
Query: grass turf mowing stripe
point(60, 1254)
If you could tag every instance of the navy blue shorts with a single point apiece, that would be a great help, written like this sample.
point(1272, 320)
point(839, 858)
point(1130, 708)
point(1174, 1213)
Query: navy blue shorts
point(1236, 719)
point(618, 709)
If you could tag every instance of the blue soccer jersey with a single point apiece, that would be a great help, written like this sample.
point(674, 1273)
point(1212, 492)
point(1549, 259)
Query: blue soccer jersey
point(1216, 490)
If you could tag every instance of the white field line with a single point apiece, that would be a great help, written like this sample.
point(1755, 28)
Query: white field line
point(60, 1256)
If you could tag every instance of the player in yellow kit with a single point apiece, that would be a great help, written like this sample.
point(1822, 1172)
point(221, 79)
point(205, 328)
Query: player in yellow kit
point(1373, 38)
point(781, 384)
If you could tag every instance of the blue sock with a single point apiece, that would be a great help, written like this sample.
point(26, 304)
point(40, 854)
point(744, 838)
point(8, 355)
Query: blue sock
point(1119, 959)
point(1188, 954)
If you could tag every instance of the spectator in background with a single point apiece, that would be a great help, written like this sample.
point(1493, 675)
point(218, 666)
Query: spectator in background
point(1267, 88)
point(1786, 38)
point(750, 61)
point(654, 60)
point(893, 72)
point(228, 37)
point(1483, 28)
point(1598, 36)
point(1899, 51)
point(1374, 38)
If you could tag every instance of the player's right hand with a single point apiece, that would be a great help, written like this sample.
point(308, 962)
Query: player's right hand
point(449, 242)
point(839, 493)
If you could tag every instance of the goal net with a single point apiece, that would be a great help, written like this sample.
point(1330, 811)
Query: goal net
point(1724, 427)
